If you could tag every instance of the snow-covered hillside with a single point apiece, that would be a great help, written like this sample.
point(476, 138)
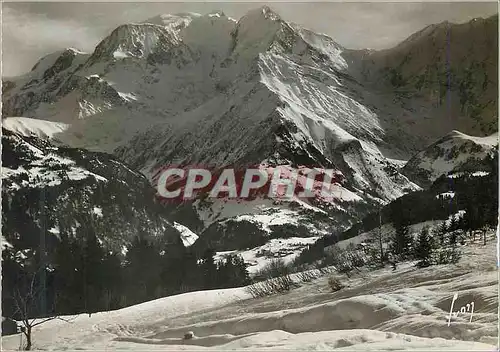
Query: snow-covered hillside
point(453, 153)
point(188, 237)
point(407, 309)
point(34, 127)
point(67, 191)
point(285, 249)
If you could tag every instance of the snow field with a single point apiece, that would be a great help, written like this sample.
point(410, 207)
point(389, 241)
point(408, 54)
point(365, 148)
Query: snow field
point(406, 310)
point(28, 126)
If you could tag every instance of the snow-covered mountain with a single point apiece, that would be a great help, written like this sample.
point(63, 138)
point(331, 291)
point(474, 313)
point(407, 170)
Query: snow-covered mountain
point(68, 191)
point(209, 90)
point(445, 76)
point(454, 152)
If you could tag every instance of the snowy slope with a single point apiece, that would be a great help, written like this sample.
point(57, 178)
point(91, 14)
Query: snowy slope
point(379, 310)
point(454, 152)
point(34, 127)
point(388, 230)
point(285, 249)
point(188, 237)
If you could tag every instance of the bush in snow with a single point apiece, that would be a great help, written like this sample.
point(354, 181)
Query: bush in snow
point(345, 261)
point(335, 284)
point(189, 335)
point(357, 258)
point(275, 268)
point(271, 286)
point(276, 277)
point(307, 276)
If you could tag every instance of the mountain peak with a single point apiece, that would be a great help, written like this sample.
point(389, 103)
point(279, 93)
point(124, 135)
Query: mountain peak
point(269, 13)
point(262, 12)
point(134, 40)
point(216, 13)
point(51, 59)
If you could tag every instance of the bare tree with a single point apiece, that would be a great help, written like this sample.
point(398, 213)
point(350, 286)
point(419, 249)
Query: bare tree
point(27, 304)
point(379, 239)
point(381, 247)
point(484, 230)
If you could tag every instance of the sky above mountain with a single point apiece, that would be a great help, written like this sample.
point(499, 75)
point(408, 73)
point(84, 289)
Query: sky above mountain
point(31, 30)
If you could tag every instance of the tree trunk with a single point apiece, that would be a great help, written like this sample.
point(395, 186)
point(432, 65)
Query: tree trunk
point(108, 298)
point(380, 239)
point(381, 250)
point(28, 338)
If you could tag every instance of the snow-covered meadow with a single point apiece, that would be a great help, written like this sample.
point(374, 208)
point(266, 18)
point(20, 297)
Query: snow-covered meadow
point(407, 309)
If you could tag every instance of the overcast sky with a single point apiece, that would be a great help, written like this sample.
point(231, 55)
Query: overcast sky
point(31, 30)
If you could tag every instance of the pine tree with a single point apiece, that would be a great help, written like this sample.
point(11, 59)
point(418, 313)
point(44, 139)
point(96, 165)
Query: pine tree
point(143, 261)
point(209, 269)
point(462, 223)
point(65, 264)
point(172, 266)
point(454, 226)
point(423, 248)
point(243, 277)
point(112, 276)
point(232, 272)
point(491, 213)
point(192, 278)
point(472, 218)
point(442, 230)
point(93, 257)
point(402, 240)
point(453, 223)
point(453, 238)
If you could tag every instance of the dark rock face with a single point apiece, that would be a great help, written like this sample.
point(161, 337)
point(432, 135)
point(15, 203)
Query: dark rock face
point(446, 74)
